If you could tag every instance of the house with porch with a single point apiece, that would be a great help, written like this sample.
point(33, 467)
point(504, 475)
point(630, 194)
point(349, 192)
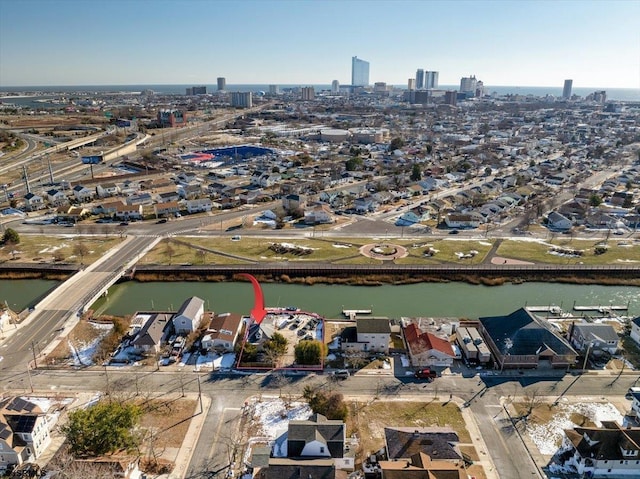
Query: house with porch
point(170, 208)
point(56, 197)
point(128, 212)
point(198, 205)
point(463, 220)
point(105, 190)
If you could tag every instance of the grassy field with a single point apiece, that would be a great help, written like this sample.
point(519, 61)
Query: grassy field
point(619, 251)
point(64, 249)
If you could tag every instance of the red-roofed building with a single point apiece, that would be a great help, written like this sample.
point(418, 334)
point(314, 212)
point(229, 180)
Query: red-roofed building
point(426, 349)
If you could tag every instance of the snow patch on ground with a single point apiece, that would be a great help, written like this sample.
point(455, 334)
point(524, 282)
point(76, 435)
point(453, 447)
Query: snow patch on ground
point(273, 416)
point(83, 353)
point(547, 437)
point(341, 246)
point(484, 243)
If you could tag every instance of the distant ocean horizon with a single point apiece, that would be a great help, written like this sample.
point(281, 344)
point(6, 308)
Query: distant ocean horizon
point(618, 94)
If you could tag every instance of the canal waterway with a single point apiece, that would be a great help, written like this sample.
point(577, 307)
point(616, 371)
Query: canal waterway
point(460, 300)
point(21, 293)
point(424, 299)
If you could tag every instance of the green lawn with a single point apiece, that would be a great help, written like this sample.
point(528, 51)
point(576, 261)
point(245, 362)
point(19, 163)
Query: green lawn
point(537, 252)
point(64, 249)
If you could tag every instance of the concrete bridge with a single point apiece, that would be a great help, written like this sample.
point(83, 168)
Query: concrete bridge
point(59, 311)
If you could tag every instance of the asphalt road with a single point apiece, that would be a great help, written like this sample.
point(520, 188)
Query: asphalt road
point(228, 392)
point(67, 300)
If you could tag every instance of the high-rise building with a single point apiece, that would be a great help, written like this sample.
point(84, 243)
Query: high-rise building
point(197, 90)
point(274, 90)
point(308, 93)
point(359, 72)
point(222, 83)
point(431, 80)
point(411, 84)
point(468, 84)
point(420, 79)
point(451, 97)
point(566, 91)
point(241, 99)
point(335, 86)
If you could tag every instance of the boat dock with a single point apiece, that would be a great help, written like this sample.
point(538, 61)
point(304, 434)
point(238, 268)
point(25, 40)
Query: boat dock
point(601, 308)
point(352, 313)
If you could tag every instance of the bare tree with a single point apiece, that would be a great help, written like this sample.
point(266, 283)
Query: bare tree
point(169, 252)
point(81, 249)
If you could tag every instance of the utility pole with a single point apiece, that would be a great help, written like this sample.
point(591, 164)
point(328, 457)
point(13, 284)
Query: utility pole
point(199, 394)
point(33, 350)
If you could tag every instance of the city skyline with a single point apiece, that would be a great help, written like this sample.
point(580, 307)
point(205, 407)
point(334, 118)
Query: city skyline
point(95, 42)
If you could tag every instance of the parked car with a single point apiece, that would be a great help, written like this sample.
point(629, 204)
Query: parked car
point(340, 374)
point(161, 221)
point(426, 373)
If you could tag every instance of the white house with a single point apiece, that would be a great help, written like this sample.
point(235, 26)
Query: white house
point(107, 189)
point(607, 451)
point(24, 431)
point(558, 222)
point(188, 317)
point(33, 201)
point(198, 205)
point(372, 335)
point(463, 220)
point(318, 214)
point(56, 197)
point(82, 193)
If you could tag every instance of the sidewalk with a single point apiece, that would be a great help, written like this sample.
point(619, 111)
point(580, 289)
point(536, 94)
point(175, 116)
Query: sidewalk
point(183, 458)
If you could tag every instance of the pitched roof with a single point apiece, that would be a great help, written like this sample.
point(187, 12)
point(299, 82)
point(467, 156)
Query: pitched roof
point(602, 332)
point(373, 325)
point(151, 332)
point(317, 428)
point(605, 443)
point(190, 307)
point(521, 333)
point(420, 342)
point(224, 326)
point(437, 443)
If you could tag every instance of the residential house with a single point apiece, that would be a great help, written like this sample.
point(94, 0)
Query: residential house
point(168, 197)
point(83, 194)
point(198, 205)
point(597, 338)
point(522, 340)
point(71, 214)
point(141, 199)
point(24, 431)
point(463, 220)
point(421, 466)
point(606, 451)
point(364, 205)
point(190, 192)
point(318, 214)
point(148, 333)
point(222, 332)
point(56, 197)
point(426, 349)
point(156, 183)
point(188, 317)
point(187, 178)
point(371, 335)
point(315, 446)
point(293, 201)
point(403, 442)
point(108, 209)
point(558, 222)
point(34, 202)
point(128, 212)
point(105, 190)
point(170, 208)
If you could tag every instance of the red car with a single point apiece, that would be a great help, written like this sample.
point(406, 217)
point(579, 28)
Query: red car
point(426, 374)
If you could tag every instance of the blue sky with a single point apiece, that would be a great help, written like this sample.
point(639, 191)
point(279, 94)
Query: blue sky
point(522, 43)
